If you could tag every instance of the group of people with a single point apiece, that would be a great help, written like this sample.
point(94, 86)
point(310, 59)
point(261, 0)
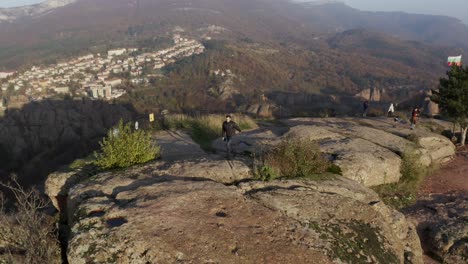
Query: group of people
point(391, 113)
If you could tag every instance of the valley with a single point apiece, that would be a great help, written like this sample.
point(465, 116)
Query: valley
point(112, 148)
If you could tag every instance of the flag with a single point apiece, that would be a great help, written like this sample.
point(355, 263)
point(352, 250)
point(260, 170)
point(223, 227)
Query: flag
point(454, 61)
point(151, 117)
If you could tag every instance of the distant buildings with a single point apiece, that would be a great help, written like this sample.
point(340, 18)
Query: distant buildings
point(92, 75)
point(62, 90)
point(113, 82)
point(4, 75)
point(100, 92)
point(116, 52)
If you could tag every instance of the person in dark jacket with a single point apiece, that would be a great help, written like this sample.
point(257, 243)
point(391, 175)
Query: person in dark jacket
point(229, 130)
point(365, 107)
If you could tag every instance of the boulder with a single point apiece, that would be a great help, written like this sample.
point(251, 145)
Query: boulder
point(445, 150)
point(359, 159)
point(439, 148)
point(363, 161)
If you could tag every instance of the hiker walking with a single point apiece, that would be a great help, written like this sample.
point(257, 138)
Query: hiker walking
point(365, 106)
point(229, 130)
point(391, 110)
point(414, 117)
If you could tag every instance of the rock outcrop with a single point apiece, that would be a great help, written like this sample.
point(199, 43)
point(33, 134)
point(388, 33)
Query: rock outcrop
point(442, 226)
point(43, 135)
point(194, 207)
point(372, 95)
point(367, 150)
point(150, 218)
point(265, 110)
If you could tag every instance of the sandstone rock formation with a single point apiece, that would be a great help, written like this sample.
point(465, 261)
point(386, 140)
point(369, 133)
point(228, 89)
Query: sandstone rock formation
point(371, 95)
point(367, 150)
point(264, 110)
point(194, 207)
point(44, 134)
point(150, 218)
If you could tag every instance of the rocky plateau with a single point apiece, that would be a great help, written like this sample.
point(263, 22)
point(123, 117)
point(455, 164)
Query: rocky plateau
point(194, 207)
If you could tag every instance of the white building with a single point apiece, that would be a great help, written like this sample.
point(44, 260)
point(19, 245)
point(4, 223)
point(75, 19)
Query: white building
point(86, 57)
point(97, 91)
point(61, 90)
point(158, 66)
point(116, 52)
point(113, 82)
point(4, 75)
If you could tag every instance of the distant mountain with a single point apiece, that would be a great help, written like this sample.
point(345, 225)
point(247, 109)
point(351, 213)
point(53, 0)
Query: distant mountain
point(271, 46)
point(337, 17)
point(11, 14)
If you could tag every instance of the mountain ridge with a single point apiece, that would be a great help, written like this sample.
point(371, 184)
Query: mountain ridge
point(13, 13)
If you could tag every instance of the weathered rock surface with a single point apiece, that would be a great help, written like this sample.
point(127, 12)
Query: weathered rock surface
point(340, 210)
point(365, 162)
point(254, 141)
point(367, 150)
point(59, 183)
point(179, 209)
point(440, 148)
point(177, 145)
point(146, 218)
point(442, 224)
point(181, 157)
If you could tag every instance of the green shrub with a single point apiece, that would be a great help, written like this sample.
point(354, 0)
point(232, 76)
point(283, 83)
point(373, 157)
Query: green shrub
point(123, 148)
point(295, 158)
point(267, 173)
point(412, 170)
point(403, 193)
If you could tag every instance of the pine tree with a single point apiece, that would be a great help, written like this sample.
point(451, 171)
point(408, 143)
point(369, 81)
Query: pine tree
point(452, 97)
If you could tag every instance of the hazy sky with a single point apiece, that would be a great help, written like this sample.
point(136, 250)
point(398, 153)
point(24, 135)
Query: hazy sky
point(10, 3)
point(454, 8)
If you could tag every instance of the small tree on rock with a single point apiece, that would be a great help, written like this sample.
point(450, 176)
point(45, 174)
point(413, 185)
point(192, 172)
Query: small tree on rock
point(452, 97)
point(123, 148)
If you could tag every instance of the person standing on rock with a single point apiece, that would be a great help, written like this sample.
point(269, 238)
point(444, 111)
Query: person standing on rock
point(414, 117)
point(365, 106)
point(391, 110)
point(229, 130)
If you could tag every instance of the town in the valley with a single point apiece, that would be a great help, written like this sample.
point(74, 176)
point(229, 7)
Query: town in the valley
point(97, 76)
